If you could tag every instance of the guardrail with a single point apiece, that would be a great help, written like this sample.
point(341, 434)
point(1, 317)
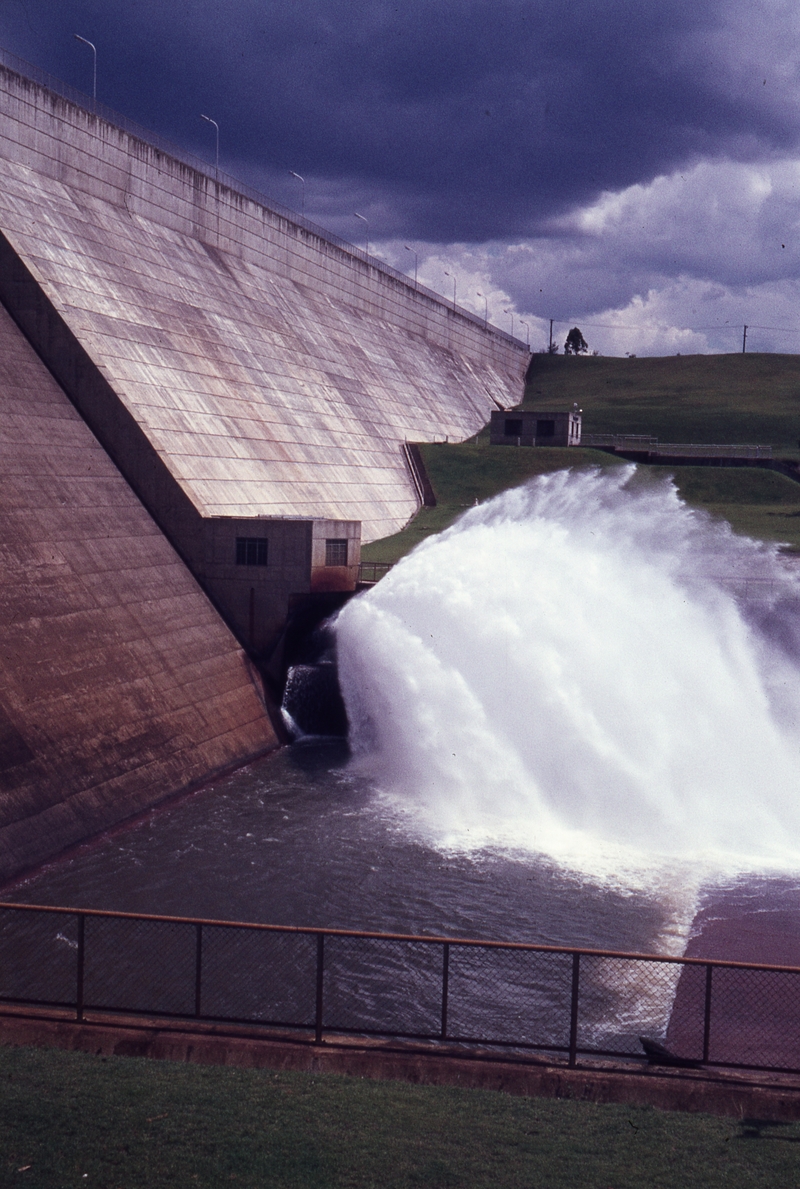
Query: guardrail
point(29, 71)
point(440, 990)
point(620, 441)
point(373, 571)
point(675, 449)
point(699, 450)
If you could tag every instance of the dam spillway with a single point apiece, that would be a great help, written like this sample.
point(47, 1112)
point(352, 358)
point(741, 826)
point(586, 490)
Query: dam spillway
point(119, 680)
point(248, 384)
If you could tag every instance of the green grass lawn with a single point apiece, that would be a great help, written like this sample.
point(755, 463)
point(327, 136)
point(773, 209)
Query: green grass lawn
point(760, 504)
point(757, 503)
point(474, 471)
point(686, 398)
point(71, 1119)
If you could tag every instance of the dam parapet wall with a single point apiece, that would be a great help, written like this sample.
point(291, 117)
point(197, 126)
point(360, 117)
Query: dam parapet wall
point(272, 370)
point(92, 150)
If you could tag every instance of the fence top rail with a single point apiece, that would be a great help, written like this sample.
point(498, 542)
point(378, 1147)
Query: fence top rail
point(375, 935)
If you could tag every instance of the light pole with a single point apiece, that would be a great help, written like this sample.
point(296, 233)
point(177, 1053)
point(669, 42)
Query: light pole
point(511, 312)
point(365, 221)
point(416, 261)
point(93, 48)
point(208, 120)
point(303, 197)
point(527, 334)
point(485, 307)
point(452, 278)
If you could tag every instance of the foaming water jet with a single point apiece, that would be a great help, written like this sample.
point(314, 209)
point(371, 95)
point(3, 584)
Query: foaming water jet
point(568, 671)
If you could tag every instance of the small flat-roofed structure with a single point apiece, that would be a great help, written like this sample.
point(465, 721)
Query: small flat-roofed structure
point(526, 428)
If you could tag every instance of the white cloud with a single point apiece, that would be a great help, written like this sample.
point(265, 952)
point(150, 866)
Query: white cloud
point(677, 265)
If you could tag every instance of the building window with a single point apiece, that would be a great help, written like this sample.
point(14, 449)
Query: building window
point(251, 551)
point(336, 552)
point(513, 428)
point(545, 429)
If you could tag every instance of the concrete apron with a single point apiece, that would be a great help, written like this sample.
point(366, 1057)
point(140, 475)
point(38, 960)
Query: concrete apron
point(742, 1096)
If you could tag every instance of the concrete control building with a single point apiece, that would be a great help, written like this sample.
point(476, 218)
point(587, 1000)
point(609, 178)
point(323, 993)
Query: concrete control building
point(526, 428)
point(204, 403)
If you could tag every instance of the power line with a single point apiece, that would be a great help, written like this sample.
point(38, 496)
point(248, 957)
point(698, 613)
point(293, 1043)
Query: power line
point(693, 329)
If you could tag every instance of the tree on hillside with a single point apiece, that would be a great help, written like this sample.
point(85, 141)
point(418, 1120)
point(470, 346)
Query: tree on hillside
point(576, 344)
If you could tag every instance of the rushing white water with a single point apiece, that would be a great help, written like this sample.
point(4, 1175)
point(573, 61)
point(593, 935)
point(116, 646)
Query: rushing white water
point(571, 669)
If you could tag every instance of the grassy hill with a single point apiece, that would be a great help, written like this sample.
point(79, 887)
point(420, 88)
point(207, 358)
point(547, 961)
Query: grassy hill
point(678, 398)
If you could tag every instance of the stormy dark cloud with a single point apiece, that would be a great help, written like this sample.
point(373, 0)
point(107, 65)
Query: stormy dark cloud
point(571, 159)
point(465, 120)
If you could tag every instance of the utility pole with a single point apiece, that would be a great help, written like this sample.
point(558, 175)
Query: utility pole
point(744, 340)
point(550, 344)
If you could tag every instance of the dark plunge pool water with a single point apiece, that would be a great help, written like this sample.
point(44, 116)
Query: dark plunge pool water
point(297, 839)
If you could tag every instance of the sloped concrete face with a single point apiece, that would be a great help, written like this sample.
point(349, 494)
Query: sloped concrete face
point(273, 373)
point(119, 682)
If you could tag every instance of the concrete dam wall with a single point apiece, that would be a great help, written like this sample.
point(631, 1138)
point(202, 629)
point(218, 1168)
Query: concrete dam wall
point(238, 387)
point(119, 681)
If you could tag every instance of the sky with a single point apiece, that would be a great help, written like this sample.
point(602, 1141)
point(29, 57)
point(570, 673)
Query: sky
point(631, 167)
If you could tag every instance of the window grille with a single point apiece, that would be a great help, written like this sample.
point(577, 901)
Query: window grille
point(251, 551)
point(336, 552)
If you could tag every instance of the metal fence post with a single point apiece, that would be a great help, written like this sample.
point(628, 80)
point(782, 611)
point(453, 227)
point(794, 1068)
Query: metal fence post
point(81, 964)
point(320, 972)
point(198, 968)
point(573, 1015)
point(445, 985)
point(707, 1014)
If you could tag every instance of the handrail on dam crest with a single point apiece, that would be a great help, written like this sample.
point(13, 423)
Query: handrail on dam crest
point(322, 982)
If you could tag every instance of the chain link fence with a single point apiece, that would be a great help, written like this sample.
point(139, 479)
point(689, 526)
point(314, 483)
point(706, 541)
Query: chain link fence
point(504, 995)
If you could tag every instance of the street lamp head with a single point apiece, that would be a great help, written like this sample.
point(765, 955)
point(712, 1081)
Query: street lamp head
point(93, 48)
point(416, 259)
point(208, 120)
point(364, 220)
point(302, 182)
